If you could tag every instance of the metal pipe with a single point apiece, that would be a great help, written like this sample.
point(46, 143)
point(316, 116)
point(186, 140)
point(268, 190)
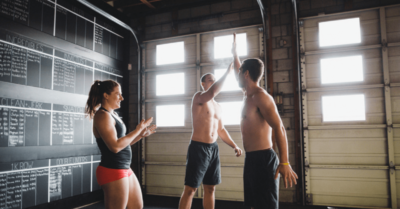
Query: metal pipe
point(265, 32)
point(300, 99)
point(119, 22)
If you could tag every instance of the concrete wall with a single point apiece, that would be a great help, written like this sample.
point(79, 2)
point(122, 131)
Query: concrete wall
point(211, 17)
point(281, 23)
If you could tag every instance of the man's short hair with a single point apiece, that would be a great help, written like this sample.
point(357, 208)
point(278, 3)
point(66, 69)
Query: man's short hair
point(203, 78)
point(255, 67)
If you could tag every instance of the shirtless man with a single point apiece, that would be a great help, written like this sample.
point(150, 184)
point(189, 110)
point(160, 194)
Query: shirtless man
point(259, 118)
point(202, 163)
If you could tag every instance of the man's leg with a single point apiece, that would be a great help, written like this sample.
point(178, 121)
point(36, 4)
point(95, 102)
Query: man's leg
point(209, 196)
point(187, 197)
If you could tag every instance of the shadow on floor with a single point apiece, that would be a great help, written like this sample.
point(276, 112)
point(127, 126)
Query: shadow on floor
point(160, 202)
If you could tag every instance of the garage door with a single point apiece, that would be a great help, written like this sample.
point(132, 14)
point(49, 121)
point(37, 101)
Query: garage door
point(173, 68)
point(351, 108)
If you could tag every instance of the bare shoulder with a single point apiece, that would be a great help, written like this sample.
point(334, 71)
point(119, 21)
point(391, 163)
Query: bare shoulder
point(102, 116)
point(196, 96)
point(261, 97)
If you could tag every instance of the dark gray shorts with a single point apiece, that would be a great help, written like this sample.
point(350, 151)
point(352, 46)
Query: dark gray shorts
point(261, 190)
point(202, 164)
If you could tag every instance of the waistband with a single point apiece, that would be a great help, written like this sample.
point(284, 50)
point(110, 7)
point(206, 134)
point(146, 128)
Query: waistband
point(203, 144)
point(260, 151)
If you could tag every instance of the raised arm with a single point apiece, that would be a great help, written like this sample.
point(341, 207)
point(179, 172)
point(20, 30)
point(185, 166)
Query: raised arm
point(236, 59)
point(214, 89)
point(267, 107)
point(224, 135)
point(104, 124)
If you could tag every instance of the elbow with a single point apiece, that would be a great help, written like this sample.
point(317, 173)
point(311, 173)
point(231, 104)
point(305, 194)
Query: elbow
point(115, 150)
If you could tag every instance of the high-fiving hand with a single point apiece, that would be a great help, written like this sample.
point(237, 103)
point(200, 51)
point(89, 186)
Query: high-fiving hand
point(234, 51)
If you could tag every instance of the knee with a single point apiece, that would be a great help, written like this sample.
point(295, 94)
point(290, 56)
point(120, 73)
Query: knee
point(189, 191)
point(209, 189)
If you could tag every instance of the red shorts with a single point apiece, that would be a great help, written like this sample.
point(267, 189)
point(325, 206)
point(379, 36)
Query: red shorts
point(106, 175)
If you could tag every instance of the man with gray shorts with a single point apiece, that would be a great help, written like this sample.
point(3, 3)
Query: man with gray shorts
point(203, 163)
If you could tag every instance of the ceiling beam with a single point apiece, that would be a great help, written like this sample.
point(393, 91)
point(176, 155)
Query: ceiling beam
point(167, 6)
point(148, 4)
point(136, 4)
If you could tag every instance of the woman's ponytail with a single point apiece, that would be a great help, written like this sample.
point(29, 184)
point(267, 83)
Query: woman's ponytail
point(96, 92)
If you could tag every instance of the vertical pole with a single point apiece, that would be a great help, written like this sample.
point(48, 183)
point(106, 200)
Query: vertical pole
point(304, 116)
point(297, 111)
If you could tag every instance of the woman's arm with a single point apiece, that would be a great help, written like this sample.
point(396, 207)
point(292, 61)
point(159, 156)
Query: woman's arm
point(105, 126)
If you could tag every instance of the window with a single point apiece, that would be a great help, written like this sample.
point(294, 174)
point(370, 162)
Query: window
point(170, 84)
point(343, 108)
point(230, 83)
point(170, 53)
point(341, 69)
point(339, 32)
point(170, 115)
point(223, 45)
point(231, 112)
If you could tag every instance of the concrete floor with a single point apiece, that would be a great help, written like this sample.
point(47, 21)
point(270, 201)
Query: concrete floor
point(159, 202)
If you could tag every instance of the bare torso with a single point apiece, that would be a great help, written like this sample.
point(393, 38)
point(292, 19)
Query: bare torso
point(256, 132)
point(205, 117)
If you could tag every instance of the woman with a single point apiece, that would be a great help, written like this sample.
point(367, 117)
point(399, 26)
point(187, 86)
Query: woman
point(120, 185)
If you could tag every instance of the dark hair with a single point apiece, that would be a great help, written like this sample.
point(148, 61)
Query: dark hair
point(255, 68)
point(203, 78)
point(96, 95)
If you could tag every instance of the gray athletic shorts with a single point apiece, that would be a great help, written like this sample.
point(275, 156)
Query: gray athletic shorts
point(261, 190)
point(202, 164)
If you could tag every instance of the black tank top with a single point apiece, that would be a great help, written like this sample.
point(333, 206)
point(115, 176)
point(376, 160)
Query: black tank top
point(120, 160)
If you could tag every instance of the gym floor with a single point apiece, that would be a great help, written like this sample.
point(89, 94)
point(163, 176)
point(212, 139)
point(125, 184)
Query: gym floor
point(159, 202)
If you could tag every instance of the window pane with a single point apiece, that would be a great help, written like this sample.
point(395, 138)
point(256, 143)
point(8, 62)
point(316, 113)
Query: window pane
point(170, 115)
point(231, 112)
point(342, 69)
point(339, 32)
point(223, 45)
point(343, 108)
point(170, 84)
point(170, 53)
point(230, 83)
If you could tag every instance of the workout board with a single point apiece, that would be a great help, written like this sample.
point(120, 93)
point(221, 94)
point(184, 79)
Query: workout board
point(51, 51)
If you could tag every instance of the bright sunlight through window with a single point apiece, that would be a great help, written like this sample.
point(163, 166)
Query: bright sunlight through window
point(170, 115)
point(170, 84)
point(343, 108)
point(339, 32)
point(223, 45)
point(170, 53)
point(230, 83)
point(341, 69)
point(231, 112)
